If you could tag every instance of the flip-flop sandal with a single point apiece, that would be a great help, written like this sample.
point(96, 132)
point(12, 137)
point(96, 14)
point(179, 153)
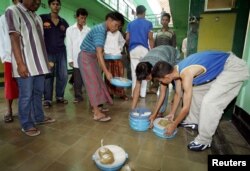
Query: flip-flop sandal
point(46, 121)
point(8, 118)
point(103, 118)
point(31, 132)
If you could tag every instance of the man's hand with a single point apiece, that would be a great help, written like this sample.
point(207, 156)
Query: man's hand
point(108, 75)
point(151, 119)
point(170, 129)
point(22, 70)
point(71, 64)
point(51, 65)
point(170, 116)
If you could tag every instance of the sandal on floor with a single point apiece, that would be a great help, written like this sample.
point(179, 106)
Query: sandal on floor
point(31, 132)
point(8, 118)
point(46, 120)
point(47, 104)
point(103, 118)
point(62, 101)
point(124, 97)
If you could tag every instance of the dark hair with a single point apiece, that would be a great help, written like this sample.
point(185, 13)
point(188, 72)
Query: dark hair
point(115, 16)
point(50, 1)
point(81, 11)
point(143, 69)
point(161, 69)
point(165, 14)
point(21, 1)
point(140, 9)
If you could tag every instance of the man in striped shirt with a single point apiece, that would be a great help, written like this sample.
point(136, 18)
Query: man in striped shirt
point(29, 64)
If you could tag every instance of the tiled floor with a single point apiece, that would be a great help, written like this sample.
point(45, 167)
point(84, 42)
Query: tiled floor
point(69, 143)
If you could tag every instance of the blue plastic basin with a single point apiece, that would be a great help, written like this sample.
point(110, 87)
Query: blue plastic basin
point(121, 82)
point(112, 57)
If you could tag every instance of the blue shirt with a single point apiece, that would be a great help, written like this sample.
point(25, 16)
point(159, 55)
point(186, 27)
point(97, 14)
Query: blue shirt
point(95, 38)
point(54, 35)
point(138, 32)
point(212, 61)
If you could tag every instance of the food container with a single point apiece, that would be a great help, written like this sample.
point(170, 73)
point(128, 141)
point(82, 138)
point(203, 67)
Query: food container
point(121, 82)
point(159, 128)
point(120, 157)
point(139, 119)
point(112, 57)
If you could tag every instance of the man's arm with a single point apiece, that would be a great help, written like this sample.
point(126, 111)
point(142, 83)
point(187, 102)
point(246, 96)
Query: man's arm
point(163, 89)
point(177, 98)
point(69, 46)
point(127, 38)
point(174, 40)
point(99, 53)
point(136, 93)
point(15, 44)
point(187, 80)
point(151, 40)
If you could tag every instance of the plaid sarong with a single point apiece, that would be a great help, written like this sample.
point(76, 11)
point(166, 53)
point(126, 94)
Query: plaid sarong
point(92, 78)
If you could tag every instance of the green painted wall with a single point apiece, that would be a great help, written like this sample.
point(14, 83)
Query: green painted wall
point(244, 96)
point(179, 11)
point(196, 7)
point(242, 10)
point(4, 4)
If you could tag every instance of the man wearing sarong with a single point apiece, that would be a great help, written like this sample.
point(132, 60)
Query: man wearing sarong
point(91, 59)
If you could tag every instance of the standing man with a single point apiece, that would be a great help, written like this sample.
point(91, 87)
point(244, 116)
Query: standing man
point(10, 84)
point(209, 81)
point(74, 37)
point(139, 37)
point(54, 34)
point(29, 64)
point(91, 59)
point(165, 36)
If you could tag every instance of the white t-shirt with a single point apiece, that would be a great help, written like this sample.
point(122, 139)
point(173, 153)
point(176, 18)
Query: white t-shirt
point(5, 46)
point(114, 43)
point(74, 38)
